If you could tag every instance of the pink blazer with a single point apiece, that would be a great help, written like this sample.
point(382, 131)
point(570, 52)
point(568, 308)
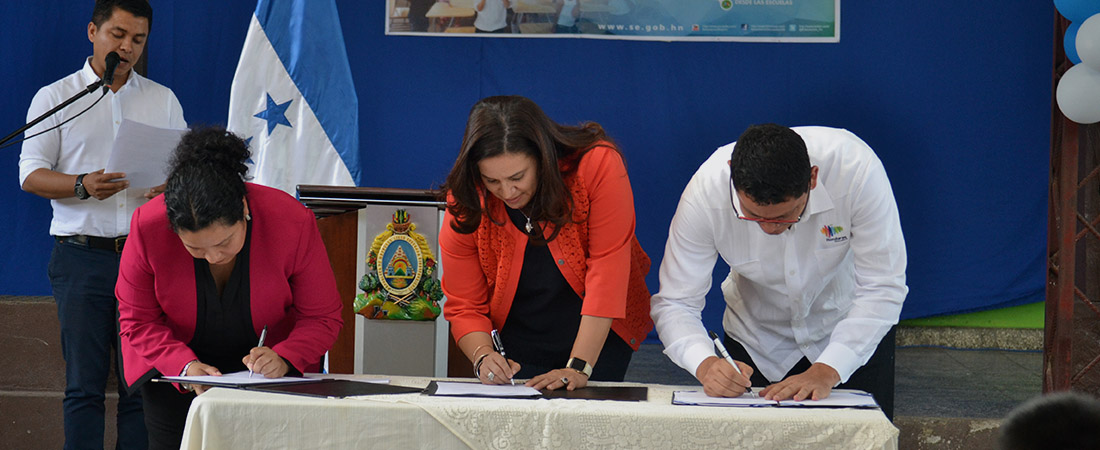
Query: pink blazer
point(292, 288)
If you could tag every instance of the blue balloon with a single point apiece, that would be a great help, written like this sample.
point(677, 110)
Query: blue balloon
point(1070, 42)
point(1077, 10)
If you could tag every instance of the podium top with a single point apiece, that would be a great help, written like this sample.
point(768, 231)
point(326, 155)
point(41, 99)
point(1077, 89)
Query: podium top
point(331, 200)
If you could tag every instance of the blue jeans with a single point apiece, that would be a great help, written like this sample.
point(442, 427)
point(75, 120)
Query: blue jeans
point(83, 281)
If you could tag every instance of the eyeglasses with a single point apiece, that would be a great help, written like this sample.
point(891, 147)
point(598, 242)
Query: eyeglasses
point(771, 221)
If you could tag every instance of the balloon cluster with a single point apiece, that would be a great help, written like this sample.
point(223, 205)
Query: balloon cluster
point(1078, 92)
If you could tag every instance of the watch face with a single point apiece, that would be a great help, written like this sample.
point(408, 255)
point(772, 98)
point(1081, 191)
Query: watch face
point(580, 365)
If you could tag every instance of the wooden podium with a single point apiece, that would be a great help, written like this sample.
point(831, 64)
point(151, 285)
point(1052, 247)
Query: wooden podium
point(341, 214)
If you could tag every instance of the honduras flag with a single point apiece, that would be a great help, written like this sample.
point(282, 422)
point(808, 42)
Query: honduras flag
point(293, 100)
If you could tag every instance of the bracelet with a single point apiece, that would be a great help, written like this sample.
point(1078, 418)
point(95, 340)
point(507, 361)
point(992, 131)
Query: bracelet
point(187, 386)
point(474, 353)
point(477, 364)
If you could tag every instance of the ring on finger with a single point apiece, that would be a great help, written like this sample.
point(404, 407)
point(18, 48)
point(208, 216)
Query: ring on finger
point(490, 376)
point(564, 381)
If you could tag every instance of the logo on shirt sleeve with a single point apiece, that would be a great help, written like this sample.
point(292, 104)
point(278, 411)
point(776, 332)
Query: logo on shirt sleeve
point(833, 233)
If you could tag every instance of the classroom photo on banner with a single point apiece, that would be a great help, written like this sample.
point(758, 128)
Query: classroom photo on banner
point(663, 20)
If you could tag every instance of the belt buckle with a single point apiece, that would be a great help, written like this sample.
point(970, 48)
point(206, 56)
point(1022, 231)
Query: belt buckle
point(77, 239)
point(119, 242)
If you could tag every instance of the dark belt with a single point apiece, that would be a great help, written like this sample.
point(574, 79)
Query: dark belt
point(102, 243)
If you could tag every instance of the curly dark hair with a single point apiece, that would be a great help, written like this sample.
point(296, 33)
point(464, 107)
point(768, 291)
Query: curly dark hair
point(206, 180)
point(770, 164)
point(513, 124)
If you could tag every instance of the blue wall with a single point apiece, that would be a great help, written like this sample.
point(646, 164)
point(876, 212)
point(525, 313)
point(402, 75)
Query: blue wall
point(955, 100)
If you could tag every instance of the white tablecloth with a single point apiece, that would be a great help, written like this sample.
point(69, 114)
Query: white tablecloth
point(236, 419)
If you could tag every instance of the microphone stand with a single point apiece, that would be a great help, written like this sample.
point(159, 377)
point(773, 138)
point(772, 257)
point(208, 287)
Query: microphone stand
point(88, 90)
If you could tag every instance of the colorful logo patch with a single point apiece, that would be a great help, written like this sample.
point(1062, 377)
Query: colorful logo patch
point(833, 233)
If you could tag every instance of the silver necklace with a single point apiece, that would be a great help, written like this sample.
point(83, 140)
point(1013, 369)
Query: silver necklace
point(528, 226)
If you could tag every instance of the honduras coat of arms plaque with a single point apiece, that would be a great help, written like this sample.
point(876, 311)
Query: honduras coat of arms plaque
point(400, 284)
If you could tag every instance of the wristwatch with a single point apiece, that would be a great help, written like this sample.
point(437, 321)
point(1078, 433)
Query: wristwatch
point(79, 189)
point(580, 365)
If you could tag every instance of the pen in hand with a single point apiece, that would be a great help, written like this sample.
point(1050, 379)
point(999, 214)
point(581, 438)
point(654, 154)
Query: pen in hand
point(263, 335)
point(499, 347)
point(725, 354)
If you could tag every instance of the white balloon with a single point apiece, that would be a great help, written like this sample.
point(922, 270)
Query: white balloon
point(1078, 94)
point(1088, 42)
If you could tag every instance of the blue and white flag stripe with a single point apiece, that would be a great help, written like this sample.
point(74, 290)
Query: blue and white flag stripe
point(293, 98)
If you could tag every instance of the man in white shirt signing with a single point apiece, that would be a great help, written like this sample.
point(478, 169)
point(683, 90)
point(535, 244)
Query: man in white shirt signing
point(806, 220)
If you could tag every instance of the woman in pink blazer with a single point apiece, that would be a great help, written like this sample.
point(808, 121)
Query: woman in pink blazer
point(207, 266)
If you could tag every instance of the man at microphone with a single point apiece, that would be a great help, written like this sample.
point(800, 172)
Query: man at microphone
point(92, 209)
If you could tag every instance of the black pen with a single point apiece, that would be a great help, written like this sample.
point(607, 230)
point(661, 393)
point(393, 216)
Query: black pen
point(499, 347)
point(263, 335)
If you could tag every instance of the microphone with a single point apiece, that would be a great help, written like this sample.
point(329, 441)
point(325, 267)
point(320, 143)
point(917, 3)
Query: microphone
point(112, 61)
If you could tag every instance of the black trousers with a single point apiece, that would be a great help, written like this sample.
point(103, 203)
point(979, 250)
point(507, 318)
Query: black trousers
point(165, 414)
point(875, 377)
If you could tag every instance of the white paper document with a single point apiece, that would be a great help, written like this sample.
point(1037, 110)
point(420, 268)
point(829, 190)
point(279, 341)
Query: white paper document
point(837, 399)
point(235, 379)
point(485, 390)
point(142, 152)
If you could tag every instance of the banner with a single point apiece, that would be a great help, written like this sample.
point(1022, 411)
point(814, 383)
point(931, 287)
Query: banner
point(663, 20)
point(293, 99)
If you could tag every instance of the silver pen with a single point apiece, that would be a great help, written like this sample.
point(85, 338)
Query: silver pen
point(263, 335)
point(725, 354)
point(499, 347)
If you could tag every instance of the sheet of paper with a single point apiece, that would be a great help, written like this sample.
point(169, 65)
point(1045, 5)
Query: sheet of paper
point(838, 398)
point(701, 399)
point(142, 152)
point(485, 390)
point(236, 378)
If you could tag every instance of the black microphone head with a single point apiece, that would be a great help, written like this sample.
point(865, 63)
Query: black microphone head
point(112, 61)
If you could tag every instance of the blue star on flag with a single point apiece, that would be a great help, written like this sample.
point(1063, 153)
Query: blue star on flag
point(248, 145)
point(275, 114)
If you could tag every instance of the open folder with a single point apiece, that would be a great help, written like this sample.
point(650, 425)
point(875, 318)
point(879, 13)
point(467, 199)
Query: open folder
point(839, 398)
point(235, 380)
point(314, 387)
point(465, 389)
point(334, 388)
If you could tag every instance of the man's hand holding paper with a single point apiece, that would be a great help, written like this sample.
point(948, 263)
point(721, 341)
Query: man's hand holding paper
point(141, 154)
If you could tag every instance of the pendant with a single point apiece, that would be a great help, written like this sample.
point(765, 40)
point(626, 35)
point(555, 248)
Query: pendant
point(529, 227)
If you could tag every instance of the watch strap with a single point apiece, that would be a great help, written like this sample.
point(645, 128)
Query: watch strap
point(580, 365)
point(79, 190)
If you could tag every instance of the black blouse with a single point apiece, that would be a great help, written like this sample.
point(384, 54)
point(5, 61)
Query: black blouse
point(223, 330)
point(546, 313)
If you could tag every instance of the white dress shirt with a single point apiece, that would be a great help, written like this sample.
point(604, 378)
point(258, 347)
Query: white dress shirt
point(565, 18)
point(829, 288)
point(84, 145)
point(492, 17)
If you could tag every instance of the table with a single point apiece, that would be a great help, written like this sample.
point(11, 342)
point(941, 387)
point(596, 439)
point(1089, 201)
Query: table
point(525, 9)
point(230, 418)
point(441, 11)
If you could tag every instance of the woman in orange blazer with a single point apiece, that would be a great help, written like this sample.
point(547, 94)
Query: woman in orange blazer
point(539, 243)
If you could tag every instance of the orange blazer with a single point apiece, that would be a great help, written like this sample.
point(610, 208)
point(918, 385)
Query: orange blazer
point(598, 255)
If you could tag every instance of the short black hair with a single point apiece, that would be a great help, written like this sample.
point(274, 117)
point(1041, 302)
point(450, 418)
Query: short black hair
point(1063, 420)
point(206, 180)
point(105, 8)
point(770, 164)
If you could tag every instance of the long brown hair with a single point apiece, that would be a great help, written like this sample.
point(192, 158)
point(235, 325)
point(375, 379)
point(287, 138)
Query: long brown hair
point(514, 124)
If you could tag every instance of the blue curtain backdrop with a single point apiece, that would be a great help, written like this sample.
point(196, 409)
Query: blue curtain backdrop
point(954, 99)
